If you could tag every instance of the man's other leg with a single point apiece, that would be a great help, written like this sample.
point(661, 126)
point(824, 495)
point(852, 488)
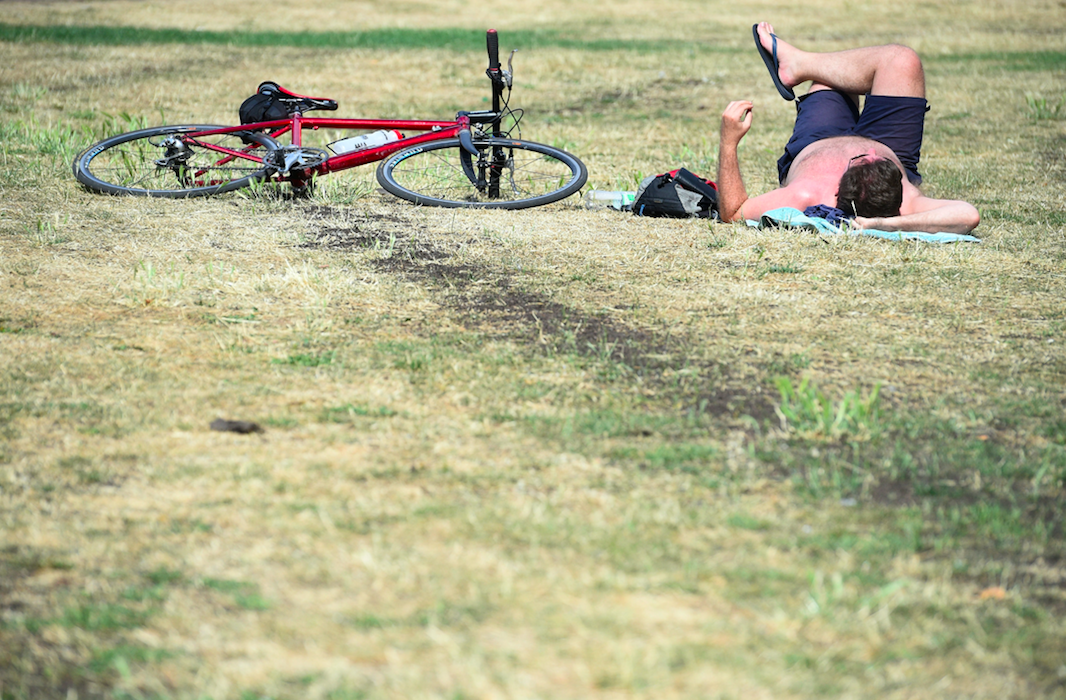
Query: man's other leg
point(891, 69)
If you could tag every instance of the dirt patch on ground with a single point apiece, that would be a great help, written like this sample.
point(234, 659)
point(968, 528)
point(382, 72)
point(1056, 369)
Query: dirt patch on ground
point(497, 303)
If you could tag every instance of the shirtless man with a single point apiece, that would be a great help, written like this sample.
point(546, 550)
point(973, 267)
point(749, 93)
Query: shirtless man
point(836, 156)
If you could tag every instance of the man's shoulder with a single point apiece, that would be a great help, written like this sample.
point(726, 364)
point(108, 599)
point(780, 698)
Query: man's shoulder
point(798, 195)
point(807, 193)
point(808, 187)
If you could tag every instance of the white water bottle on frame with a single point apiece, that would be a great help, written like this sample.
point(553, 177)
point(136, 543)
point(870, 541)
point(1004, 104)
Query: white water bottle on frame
point(371, 140)
point(603, 199)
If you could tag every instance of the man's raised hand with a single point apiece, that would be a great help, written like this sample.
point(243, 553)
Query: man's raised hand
point(736, 120)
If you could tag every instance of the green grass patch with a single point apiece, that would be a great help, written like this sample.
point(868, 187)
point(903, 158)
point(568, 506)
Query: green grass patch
point(395, 38)
point(414, 356)
point(747, 584)
point(349, 413)
point(683, 457)
point(986, 497)
point(103, 617)
point(784, 269)
point(876, 536)
point(607, 423)
point(119, 658)
point(743, 521)
point(245, 595)
point(307, 359)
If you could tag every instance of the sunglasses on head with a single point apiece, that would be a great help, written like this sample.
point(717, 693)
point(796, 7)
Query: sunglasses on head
point(851, 161)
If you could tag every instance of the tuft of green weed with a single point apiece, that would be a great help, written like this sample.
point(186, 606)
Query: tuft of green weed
point(786, 269)
point(807, 412)
point(1042, 108)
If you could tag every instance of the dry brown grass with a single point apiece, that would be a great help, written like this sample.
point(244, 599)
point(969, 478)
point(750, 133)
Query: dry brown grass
point(525, 454)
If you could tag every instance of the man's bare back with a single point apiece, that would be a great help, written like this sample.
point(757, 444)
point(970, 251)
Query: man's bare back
point(826, 160)
point(817, 170)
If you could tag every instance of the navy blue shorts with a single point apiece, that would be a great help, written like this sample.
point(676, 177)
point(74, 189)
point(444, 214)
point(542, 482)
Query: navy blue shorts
point(897, 122)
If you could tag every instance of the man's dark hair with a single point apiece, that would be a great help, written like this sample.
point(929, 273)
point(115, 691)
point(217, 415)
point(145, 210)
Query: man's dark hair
point(874, 188)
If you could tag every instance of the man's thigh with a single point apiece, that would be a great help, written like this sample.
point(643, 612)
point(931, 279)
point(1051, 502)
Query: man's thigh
point(897, 122)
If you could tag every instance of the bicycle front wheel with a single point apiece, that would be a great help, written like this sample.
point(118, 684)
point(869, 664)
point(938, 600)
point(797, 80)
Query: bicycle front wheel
point(173, 161)
point(506, 174)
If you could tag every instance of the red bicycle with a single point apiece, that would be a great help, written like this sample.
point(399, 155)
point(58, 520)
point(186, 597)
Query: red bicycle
point(471, 161)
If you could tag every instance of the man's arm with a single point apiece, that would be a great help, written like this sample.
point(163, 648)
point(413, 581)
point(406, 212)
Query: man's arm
point(928, 214)
point(733, 201)
point(736, 120)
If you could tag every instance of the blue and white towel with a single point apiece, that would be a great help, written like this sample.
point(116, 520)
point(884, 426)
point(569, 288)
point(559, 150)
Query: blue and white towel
point(788, 216)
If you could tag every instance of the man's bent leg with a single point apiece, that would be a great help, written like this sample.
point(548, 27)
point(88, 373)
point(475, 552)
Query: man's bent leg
point(891, 69)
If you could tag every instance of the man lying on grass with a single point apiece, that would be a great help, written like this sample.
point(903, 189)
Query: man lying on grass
point(838, 156)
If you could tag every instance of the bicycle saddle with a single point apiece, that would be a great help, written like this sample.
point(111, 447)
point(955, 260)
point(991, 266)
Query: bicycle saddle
point(295, 102)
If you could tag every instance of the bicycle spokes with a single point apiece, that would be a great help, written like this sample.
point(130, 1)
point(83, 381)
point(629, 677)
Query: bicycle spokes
point(207, 161)
point(506, 173)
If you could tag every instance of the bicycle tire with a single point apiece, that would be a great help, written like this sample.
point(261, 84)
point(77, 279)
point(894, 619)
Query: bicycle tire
point(138, 163)
point(433, 174)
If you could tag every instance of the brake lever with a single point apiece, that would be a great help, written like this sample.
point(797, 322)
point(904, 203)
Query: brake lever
point(508, 74)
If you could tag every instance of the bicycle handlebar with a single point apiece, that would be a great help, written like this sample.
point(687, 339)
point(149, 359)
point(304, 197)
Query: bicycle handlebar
point(492, 39)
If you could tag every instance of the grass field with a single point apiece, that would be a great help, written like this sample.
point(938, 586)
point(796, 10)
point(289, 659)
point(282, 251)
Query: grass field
point(554, 453)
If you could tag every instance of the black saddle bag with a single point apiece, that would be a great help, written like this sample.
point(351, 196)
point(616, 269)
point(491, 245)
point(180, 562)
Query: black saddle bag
point(263, 106)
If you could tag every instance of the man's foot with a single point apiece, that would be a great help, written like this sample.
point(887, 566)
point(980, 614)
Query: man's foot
point(778, 57)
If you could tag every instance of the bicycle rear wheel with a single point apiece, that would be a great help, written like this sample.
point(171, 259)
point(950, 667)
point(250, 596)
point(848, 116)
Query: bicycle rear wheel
point(507, 174)
point(172, 161)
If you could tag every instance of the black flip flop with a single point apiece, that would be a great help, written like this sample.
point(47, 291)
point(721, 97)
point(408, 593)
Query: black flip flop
point(770, 59)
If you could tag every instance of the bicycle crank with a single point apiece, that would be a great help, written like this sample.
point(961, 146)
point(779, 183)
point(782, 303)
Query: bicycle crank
point(295, 158)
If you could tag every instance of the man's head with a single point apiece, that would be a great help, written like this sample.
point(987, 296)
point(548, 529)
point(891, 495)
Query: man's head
point(872, 186)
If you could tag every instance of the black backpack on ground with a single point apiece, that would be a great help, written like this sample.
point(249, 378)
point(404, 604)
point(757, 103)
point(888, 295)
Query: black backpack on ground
point(677, 194)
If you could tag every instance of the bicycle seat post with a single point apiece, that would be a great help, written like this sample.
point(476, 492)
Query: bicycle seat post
point(297, 128)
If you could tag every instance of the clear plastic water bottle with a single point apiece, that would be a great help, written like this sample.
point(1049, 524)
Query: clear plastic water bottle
point(603, 199)
point(371, 140)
